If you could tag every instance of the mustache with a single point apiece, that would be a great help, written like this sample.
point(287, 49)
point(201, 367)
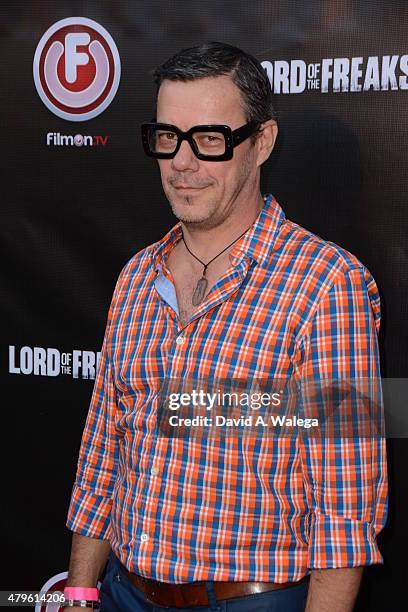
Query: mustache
point(178, 182)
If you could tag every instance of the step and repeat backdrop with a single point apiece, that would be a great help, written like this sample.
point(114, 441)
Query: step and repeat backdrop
point(79, 198)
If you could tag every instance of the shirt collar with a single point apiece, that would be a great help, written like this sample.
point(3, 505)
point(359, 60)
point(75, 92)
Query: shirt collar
point(256, 244)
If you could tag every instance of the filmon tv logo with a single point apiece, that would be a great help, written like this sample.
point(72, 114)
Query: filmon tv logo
point(76, 69)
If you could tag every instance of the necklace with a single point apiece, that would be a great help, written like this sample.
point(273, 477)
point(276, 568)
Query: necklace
point(202, 283)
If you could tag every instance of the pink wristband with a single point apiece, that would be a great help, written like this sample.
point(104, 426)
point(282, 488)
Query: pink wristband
point(89, 593)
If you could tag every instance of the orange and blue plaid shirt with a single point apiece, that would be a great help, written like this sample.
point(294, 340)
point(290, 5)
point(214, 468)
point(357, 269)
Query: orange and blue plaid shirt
point(180, 511)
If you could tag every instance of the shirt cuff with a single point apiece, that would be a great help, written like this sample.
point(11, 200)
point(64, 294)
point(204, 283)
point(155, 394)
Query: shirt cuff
point(89, 514)
point(337, 542)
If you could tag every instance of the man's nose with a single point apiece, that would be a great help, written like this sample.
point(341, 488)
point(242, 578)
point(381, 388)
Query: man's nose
point(185, 158)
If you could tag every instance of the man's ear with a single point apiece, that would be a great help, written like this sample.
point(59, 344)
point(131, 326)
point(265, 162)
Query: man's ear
point(266, 140)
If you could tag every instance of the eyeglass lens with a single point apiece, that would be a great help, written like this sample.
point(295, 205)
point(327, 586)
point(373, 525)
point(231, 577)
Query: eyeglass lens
point(208, 143)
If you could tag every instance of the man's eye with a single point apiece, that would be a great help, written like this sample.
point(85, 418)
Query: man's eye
point(209, 139)
point(167, 135)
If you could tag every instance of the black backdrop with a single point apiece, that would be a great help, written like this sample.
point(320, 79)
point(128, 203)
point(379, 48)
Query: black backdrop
point(72, 216)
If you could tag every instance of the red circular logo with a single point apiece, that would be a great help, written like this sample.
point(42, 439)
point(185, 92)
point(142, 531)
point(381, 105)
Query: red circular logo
point(76, 69)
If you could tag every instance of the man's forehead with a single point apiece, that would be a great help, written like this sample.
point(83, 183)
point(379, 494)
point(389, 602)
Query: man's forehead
point(205, 100)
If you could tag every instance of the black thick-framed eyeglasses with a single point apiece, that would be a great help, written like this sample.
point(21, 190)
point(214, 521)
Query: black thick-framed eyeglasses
point(208, 142)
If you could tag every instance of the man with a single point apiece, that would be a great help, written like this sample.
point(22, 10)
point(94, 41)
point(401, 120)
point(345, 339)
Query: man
point(234, 292)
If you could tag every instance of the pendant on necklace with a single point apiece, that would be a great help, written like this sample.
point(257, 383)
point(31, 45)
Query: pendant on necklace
point(199, 291)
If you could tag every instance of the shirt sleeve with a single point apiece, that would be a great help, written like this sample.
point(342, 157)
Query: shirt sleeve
point(345, 476)
point(90, 505)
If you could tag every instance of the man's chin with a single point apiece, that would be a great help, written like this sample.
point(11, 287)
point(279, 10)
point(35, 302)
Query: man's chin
point(188, 216)
point(189, 211)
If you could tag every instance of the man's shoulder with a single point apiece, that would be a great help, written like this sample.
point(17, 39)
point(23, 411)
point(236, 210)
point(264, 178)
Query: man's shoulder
point(139, 262)
point(316, 266)
point(317, 256)
point(135, 270)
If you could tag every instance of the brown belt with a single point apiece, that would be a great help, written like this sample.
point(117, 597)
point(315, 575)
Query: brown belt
point(195, 594)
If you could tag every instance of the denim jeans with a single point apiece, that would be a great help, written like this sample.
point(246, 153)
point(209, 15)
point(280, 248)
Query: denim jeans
point(118, 594)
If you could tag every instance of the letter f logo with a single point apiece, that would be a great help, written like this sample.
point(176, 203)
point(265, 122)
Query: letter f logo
point(76, 69)
point(72, 57)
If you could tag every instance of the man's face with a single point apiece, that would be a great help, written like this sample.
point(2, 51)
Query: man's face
point(203, 192)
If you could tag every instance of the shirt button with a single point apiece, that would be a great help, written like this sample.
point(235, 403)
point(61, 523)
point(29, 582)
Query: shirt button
point(154, 471)
point(180, 340)
point(144, 537)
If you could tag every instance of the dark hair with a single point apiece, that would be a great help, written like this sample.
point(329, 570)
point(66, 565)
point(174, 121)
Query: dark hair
point(215, 59)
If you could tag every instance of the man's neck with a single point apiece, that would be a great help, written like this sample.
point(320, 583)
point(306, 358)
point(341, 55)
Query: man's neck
point(208, 242)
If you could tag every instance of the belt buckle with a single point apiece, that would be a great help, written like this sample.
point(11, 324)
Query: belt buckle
point(152, 589)
point(180, 593)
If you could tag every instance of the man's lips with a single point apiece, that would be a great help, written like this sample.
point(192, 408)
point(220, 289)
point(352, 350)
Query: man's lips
point(186, 187)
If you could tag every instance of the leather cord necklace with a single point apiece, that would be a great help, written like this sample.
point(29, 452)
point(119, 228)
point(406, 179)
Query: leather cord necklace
point(202, 283)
